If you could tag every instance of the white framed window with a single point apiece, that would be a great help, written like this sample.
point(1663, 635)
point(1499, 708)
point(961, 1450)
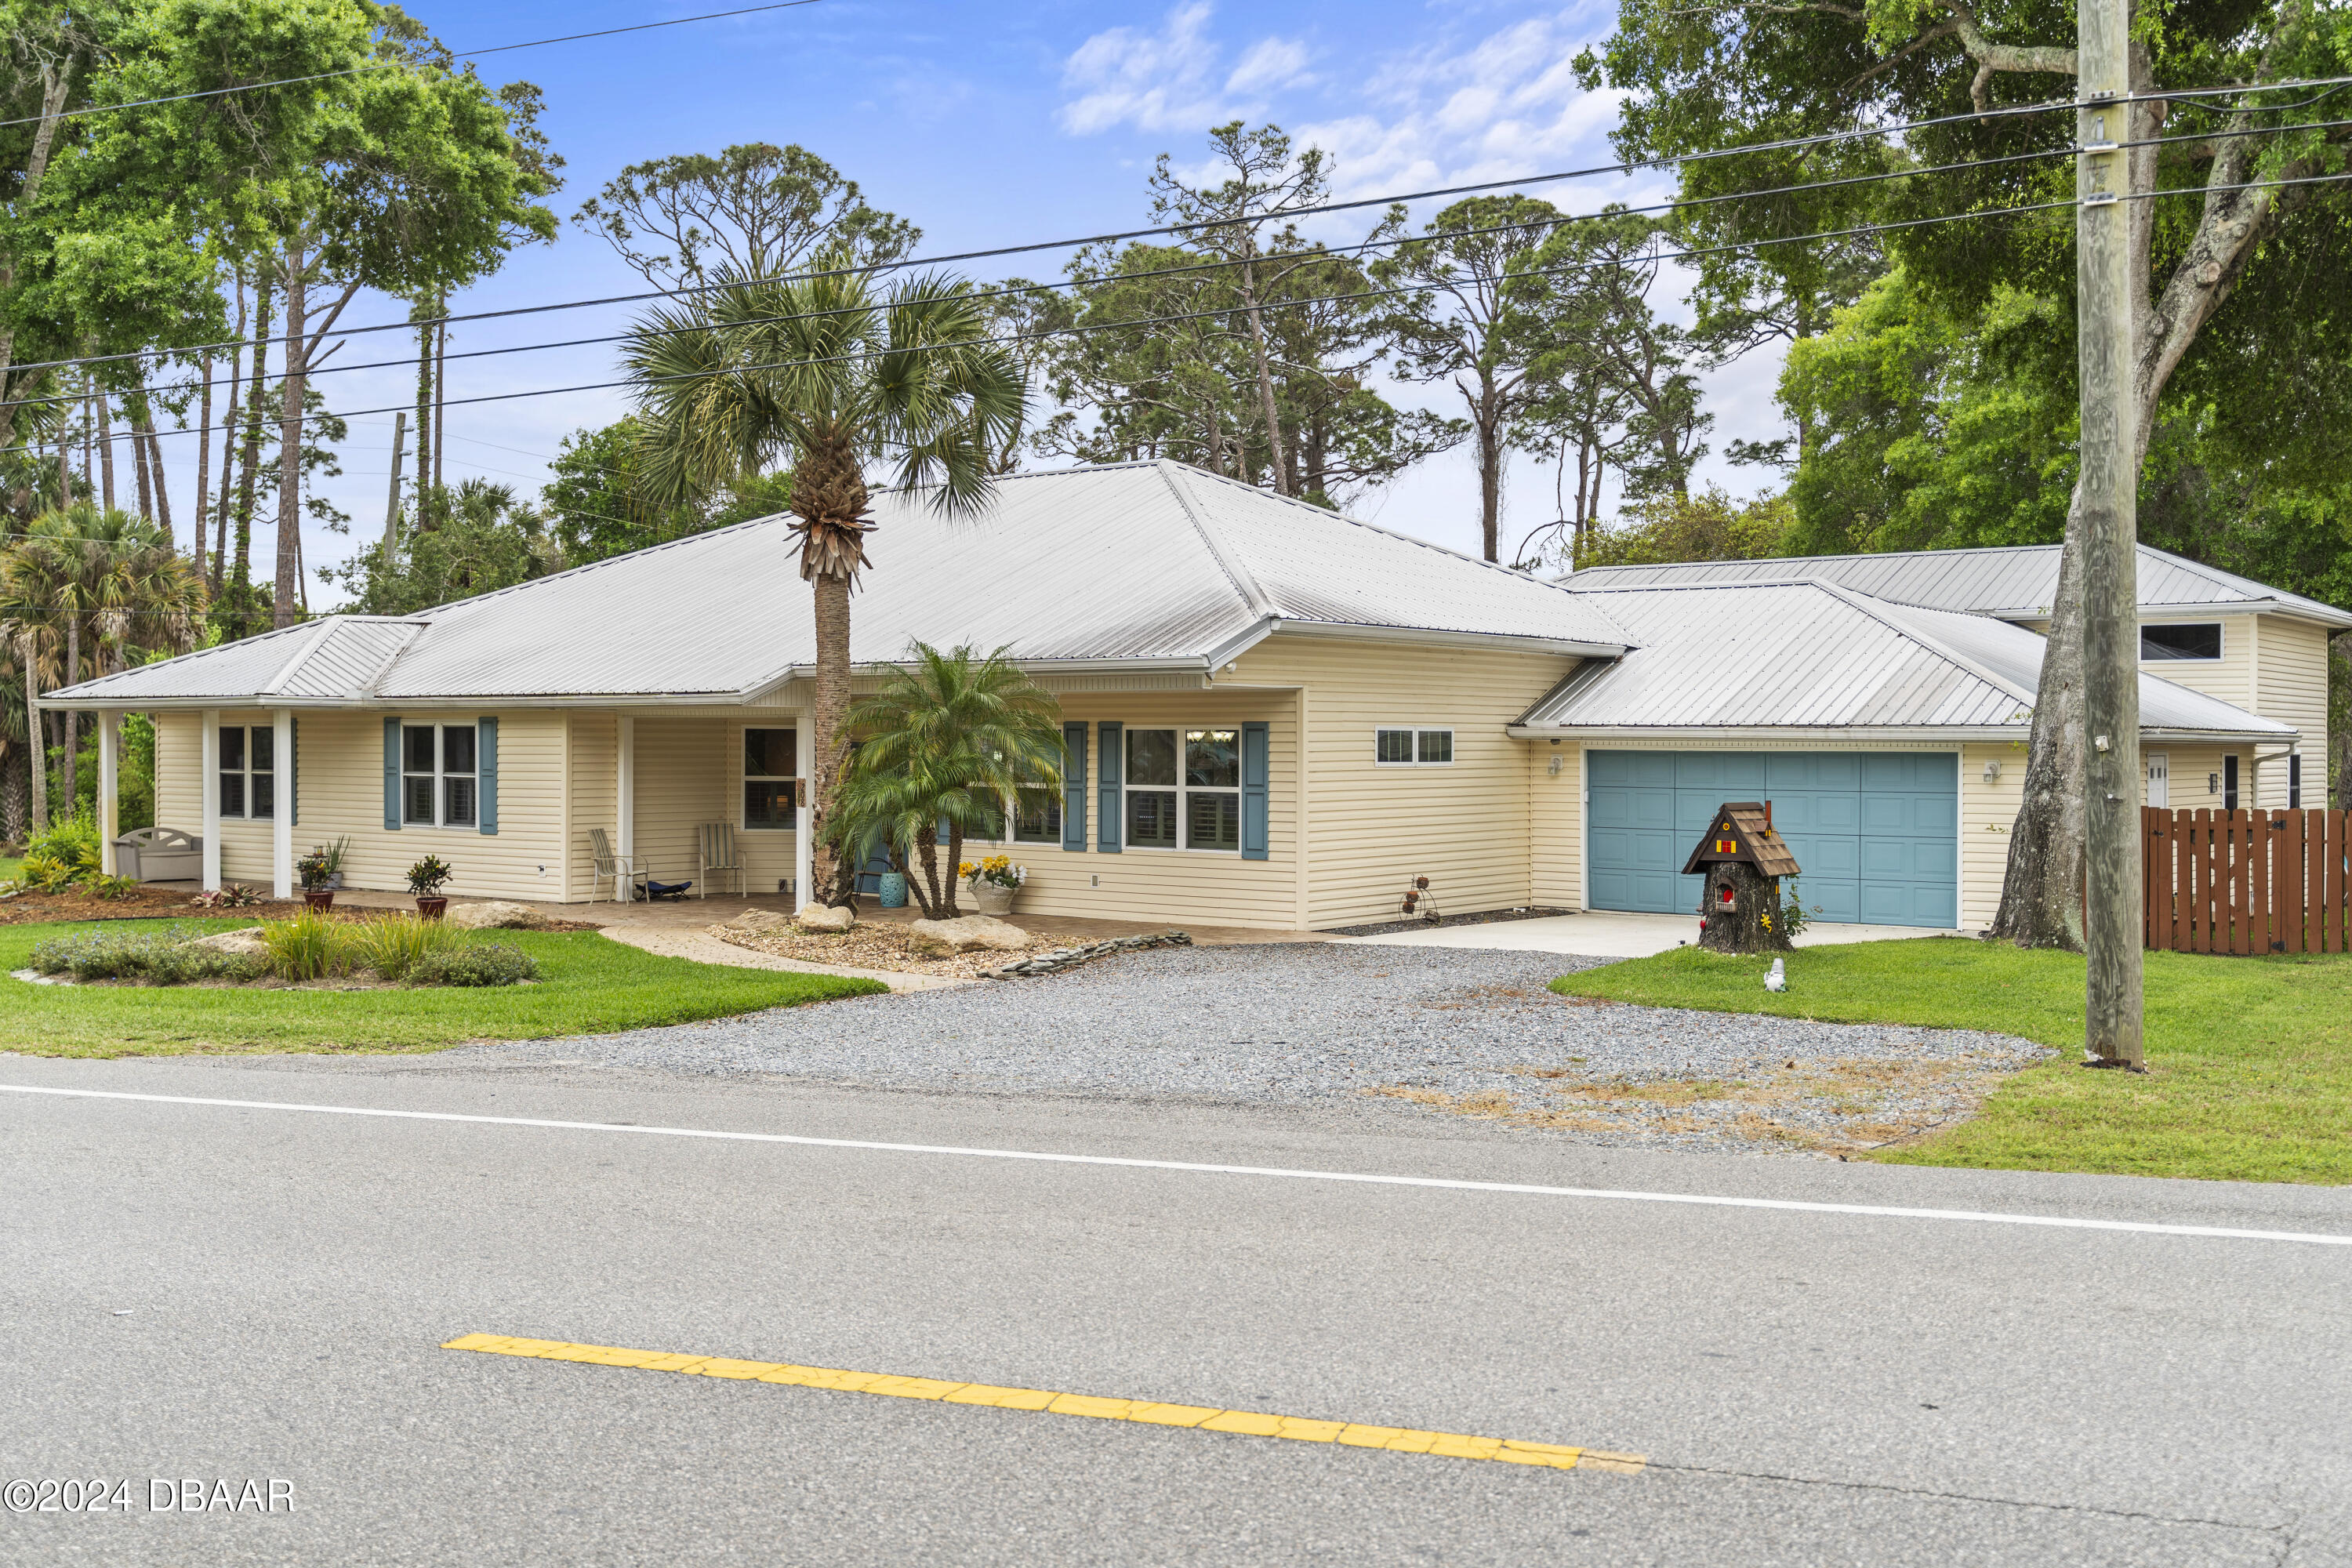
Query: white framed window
point(2295, 781)
point(248, 774)
point(439, 784)
point(1183, 788)
point(2166, 641)
point(1403, 747)
point(769, 782)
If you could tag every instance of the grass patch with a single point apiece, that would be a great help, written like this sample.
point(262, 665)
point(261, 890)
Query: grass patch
point(2249, 1059)
point(590, 986)
point(11, 868)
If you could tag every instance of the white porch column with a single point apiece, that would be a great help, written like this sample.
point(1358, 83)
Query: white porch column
point(625, 806)
point(107, 764)
point(211, 826)
point(803, 841)
point(282, 816)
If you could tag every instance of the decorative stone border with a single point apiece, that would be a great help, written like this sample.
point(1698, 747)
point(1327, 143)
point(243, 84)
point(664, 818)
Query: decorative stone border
point(1063, 958)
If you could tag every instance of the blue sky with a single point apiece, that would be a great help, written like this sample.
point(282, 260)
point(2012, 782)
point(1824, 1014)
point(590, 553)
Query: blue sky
point(993, 125)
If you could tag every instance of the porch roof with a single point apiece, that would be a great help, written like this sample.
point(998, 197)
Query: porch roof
point(1137, 566)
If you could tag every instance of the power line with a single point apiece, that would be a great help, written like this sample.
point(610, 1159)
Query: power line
point(1784, 144)
point(1084, 329)
point(395, 65)
point(1674, 205)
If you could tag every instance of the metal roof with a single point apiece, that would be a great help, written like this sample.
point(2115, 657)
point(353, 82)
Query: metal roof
point(2015, 582)
point(1141, 564)
point(1814, 657)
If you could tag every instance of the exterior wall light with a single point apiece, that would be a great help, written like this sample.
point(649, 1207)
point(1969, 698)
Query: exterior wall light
point(1993, 770)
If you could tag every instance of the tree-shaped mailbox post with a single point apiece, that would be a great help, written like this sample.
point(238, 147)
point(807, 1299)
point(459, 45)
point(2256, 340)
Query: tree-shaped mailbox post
point(1743, 862)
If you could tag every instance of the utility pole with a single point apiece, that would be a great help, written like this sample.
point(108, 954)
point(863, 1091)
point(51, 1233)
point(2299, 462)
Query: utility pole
point(392, 501)
point(2111, 925)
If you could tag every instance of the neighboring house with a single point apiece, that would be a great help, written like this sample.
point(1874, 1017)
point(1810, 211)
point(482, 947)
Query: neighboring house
point(1277, 716)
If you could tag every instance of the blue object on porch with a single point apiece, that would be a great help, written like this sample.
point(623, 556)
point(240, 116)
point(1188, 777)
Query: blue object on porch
point(892, 893)
point(665, 890)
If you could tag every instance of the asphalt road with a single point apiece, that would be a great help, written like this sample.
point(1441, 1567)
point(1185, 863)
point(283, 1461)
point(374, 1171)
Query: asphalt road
point(207, 1292)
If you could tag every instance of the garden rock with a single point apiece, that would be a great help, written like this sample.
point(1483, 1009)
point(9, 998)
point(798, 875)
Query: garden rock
point(966, 932)
point(825, 917)
point(496, 914)
point(1063, 958)
point(757, 922)
point(246, 943)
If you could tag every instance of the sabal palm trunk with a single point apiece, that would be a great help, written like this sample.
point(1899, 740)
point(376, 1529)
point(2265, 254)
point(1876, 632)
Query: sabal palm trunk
point(835, 875)
point(35, 739)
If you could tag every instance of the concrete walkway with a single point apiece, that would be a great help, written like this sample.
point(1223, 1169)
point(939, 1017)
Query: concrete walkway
point(1605, 935)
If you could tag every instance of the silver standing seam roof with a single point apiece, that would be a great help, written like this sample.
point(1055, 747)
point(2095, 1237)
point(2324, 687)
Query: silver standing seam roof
point(1138, 566)
point(1809, 656)
point(2015, 583)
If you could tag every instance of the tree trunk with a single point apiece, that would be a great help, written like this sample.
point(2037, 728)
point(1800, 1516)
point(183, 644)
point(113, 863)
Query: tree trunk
point(423, 427)
point(230, 412)
point(71, 718)
point(146, 432)
point(927, 886)
point(55, 83)
point(203, 473)
point(139, 462)
point(102, 417)
point(2342, 647)
point(1488, 419)
point(14, 792)
point(955, 867)
point(286, 585)
point(2041, 891)
point(835, 875)
point(1265, 380)
point(440, 392)
point(35, 739)
point(240, 587)
point(1751, 920)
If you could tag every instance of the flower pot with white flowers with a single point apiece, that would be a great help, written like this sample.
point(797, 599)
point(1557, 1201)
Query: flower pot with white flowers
point(993, 883)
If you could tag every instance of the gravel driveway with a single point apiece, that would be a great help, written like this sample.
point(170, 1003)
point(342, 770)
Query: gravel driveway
point(1447, 1032)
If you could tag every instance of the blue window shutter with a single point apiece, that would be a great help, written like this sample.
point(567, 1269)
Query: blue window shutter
point(294, 766)
point(392, 776)
point(1254, 768)
point(486, 773)
point(1073, 788)
point(1107, 760)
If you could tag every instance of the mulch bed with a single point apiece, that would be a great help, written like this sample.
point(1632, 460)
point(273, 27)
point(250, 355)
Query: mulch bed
point(171, 903)
point(875, 945)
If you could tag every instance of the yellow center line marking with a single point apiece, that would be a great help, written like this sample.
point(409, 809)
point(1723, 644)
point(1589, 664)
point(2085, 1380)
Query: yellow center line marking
point(1247, 1423)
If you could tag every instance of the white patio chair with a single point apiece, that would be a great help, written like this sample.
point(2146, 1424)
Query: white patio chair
point(714, 844)
point(621, 868)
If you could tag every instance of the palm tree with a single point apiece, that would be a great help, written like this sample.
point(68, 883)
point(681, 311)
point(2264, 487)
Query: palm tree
point(826, 374)
point(952, 737)
point(91, 577)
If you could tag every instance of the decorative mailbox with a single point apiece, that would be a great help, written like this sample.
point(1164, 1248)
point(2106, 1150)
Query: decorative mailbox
point(1743, 860)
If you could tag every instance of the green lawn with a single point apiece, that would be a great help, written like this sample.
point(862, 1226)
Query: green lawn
point(590, 986)
point(10, 868)
point(2249, 1059)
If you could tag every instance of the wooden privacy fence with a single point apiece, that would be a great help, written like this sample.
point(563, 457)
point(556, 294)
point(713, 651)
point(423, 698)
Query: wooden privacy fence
point(2246, 881)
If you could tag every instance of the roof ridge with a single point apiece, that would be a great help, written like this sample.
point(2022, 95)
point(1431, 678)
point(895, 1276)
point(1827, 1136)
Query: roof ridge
point(1872, 606)
point(1246, 583)
point(320, 629)
point(1355, 521)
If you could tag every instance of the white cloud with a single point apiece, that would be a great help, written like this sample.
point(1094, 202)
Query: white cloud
point(1164, 81)
point(1270, 63)
point(1154, 80)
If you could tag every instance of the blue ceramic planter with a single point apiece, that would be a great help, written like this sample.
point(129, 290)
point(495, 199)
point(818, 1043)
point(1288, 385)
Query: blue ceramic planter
point(892, 894)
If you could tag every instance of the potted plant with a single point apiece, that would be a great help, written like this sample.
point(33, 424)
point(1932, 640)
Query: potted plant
point(994, 882)
point(334, 853)
point(425, 880)
point(313, 869)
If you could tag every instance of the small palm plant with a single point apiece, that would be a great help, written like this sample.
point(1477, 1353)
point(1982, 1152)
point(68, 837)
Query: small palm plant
point(947, 741)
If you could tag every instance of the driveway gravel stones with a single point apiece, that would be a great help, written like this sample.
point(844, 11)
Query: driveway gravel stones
point(1421, 1032)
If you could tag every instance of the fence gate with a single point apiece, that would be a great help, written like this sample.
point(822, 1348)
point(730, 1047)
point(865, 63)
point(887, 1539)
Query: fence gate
point(2246, 881)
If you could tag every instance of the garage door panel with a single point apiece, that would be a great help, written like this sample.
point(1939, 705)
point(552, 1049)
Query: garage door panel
point(1873, 831)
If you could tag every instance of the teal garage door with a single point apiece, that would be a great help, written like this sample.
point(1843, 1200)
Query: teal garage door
point(1877, 832)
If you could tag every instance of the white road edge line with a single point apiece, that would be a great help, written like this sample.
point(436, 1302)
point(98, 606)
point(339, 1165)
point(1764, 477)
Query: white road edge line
point(1448, 1184)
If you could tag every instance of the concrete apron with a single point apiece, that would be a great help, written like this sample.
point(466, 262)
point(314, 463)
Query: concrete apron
point(1603, 935)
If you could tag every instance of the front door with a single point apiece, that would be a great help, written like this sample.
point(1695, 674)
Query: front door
point(2159, 779)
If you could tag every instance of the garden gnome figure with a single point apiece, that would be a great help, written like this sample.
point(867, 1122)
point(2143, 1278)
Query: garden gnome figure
point(1743, 862)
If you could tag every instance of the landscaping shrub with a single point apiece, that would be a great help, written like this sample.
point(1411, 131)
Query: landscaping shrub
point(46, 873)
point(392, 946)
point(307, 947)
point(71, 842)
point(112, 887)
point(475, 964)
point(163, 957)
